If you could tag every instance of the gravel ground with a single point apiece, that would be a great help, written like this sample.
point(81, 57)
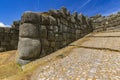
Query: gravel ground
point(99, 61)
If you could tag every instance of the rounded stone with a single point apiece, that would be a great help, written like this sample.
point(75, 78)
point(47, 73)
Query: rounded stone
point(28, 30)
point(23, 62)
point(29, 48)
point(30, 17)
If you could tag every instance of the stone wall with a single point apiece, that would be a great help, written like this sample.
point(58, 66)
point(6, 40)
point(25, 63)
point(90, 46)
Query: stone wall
point(9, 37)
point(43, 33)
point(103, 23)
point(39, 34)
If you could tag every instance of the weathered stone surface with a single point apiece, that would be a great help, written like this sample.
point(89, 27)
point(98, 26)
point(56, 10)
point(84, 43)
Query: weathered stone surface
point(29, 17)
point(58, 37)
point(43, 31)
point(52, 20)
point(65, 28)
point(29, 48)
point(51, 36)
point(28, 30)
point(63, 12)
point(64, 21)
point(52, 44)
point(56, 29)
point(16, 24)
point(73, 19)
point(7, 30)
point(45, 20)
point(45, 46)
point(50, 27)
point(75, 14)
point(101, 23)
point(14, 44)
point(66, 36)
point(8, 35)
point(82, 18)
point(2, 29)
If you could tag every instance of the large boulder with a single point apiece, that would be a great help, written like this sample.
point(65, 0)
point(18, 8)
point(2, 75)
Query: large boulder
point(29, 45)
point(29, 30)
point(30, 17)
point(29, 49)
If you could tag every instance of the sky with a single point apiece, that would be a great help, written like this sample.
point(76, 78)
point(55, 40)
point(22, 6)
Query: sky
point(11, 10)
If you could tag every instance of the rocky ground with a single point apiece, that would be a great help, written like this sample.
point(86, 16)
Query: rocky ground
point(94, 57)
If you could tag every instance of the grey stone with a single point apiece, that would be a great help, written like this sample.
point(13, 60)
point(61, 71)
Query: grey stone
point(66, 36)
point(52, 44)
point(56, 29)
point(23, 62)
point(2, 29)
point(82, 18)
point(73, 19)
point(64, 21)
point(58, 22)
point(63, 12)
point(58, 37)
point(28, 30)
point(29, 48)
point(51, 36)
point(43, 31)
point(14, 36)
point(52, 20)
point(65, 28)
point(50, 50)
point(59, 45)
point(16, 24)
point(63, 9)
point(29, 17)
point(1, 38)
point(50, 27)
point(45, 46)
point(75, 15)
point(45, 20)
point(60, 29)
point(14, 31)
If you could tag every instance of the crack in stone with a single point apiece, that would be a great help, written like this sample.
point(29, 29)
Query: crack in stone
point(105, 36)
point(97, 48)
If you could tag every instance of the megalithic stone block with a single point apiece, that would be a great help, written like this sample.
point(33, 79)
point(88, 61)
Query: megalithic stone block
point(29, 50)
point(29, 30)
point(30, 17)
point(29, 46)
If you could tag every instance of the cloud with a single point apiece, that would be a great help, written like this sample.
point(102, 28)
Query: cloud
point(3, 25)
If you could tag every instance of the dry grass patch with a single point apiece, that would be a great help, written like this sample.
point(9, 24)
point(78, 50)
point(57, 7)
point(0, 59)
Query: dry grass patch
point(9, 69)
point(6, 57)
point(8, 66)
